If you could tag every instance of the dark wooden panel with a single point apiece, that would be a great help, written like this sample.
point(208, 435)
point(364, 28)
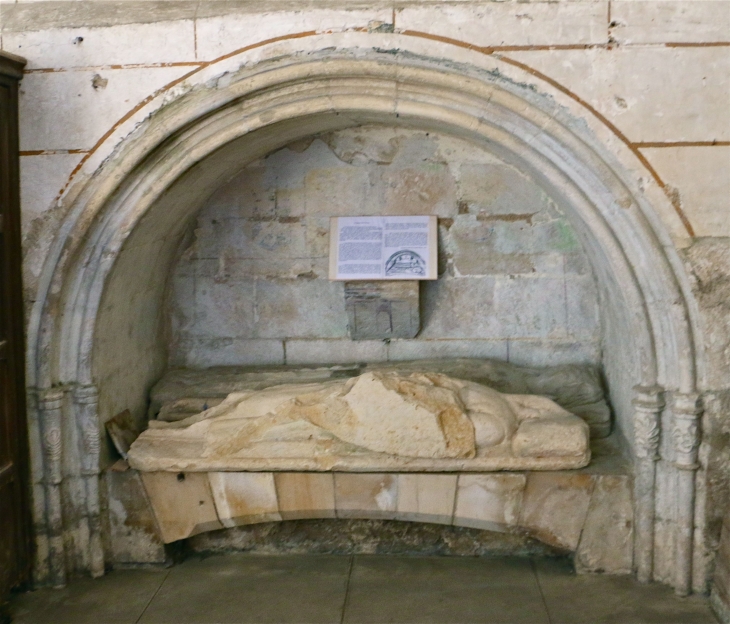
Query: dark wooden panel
point(15, 522)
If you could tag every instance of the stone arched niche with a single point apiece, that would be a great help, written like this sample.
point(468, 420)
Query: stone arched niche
point(250, 285)
point(97, 328)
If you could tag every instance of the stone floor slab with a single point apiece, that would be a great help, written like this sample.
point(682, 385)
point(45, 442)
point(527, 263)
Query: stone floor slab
point(118, 598)
point(443, 590)
point(248, 588)
point(359, 590)
point(603, 599)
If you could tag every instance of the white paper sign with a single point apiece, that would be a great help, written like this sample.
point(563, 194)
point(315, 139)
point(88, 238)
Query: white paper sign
point(383, 248)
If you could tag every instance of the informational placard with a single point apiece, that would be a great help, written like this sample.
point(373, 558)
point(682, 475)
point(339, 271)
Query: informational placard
point(383, 248)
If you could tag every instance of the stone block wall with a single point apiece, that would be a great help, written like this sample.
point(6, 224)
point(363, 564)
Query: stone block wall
point(649, 79)
point(720, 596)
point(251, 285)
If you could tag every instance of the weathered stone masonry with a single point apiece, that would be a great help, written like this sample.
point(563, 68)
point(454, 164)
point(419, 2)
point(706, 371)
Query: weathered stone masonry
point(616, 110)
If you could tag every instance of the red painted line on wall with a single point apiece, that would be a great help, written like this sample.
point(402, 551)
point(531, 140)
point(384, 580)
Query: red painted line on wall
point(169, 85)
point(508, 48)
point(705, 44)
point(409, 33)
point(672, 196)
point(645, 144)
point(487, 50)
point(52, 152)
point(56, 70)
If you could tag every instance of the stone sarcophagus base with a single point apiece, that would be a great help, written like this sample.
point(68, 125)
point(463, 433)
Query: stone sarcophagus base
point(587, 513)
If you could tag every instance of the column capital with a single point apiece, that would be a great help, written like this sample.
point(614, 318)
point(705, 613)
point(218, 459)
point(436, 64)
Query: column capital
point(687, 409)
point(648, 403)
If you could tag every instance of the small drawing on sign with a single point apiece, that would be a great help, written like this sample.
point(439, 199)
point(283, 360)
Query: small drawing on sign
point(405, 262)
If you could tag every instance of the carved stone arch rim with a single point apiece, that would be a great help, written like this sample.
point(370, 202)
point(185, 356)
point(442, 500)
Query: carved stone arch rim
point(475, 104)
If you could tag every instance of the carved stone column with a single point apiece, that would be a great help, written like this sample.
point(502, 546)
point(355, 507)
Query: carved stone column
point(40, 518)
point(86, 399)
point(51, 409)
point(686, 439)
point(648, 404)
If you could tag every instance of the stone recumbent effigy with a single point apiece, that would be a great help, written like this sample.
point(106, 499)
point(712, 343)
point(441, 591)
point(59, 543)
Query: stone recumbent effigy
point(473, 443)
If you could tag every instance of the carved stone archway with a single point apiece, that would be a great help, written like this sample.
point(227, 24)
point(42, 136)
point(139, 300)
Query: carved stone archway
point(94, 341)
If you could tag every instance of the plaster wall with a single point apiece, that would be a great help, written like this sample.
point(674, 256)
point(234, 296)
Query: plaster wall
point(654, 75)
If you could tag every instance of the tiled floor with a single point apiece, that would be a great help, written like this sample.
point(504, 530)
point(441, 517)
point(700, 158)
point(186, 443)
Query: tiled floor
point(360, 589)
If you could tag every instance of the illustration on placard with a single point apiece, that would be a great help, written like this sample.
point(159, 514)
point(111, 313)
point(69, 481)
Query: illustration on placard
point(405, 262)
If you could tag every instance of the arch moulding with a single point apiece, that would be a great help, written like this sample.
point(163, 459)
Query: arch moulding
point(132, 200)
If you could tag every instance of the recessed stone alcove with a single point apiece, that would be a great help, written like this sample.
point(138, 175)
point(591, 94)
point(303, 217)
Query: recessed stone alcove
point(251, 287)
point(114, 311)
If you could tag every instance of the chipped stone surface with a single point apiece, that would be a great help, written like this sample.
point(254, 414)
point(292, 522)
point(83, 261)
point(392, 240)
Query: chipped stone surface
point(670, 21)
point(382, 310)
point(713, 481)
point(366, 495)
point(133, 529)
point(182, 502)
point(493, 502)
point(555, 506)
point(425, 420)
point(424, 189)
point(490, 502)
point(181, 393)
point(606, 543)
point(655, 73)
point(709, 265)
